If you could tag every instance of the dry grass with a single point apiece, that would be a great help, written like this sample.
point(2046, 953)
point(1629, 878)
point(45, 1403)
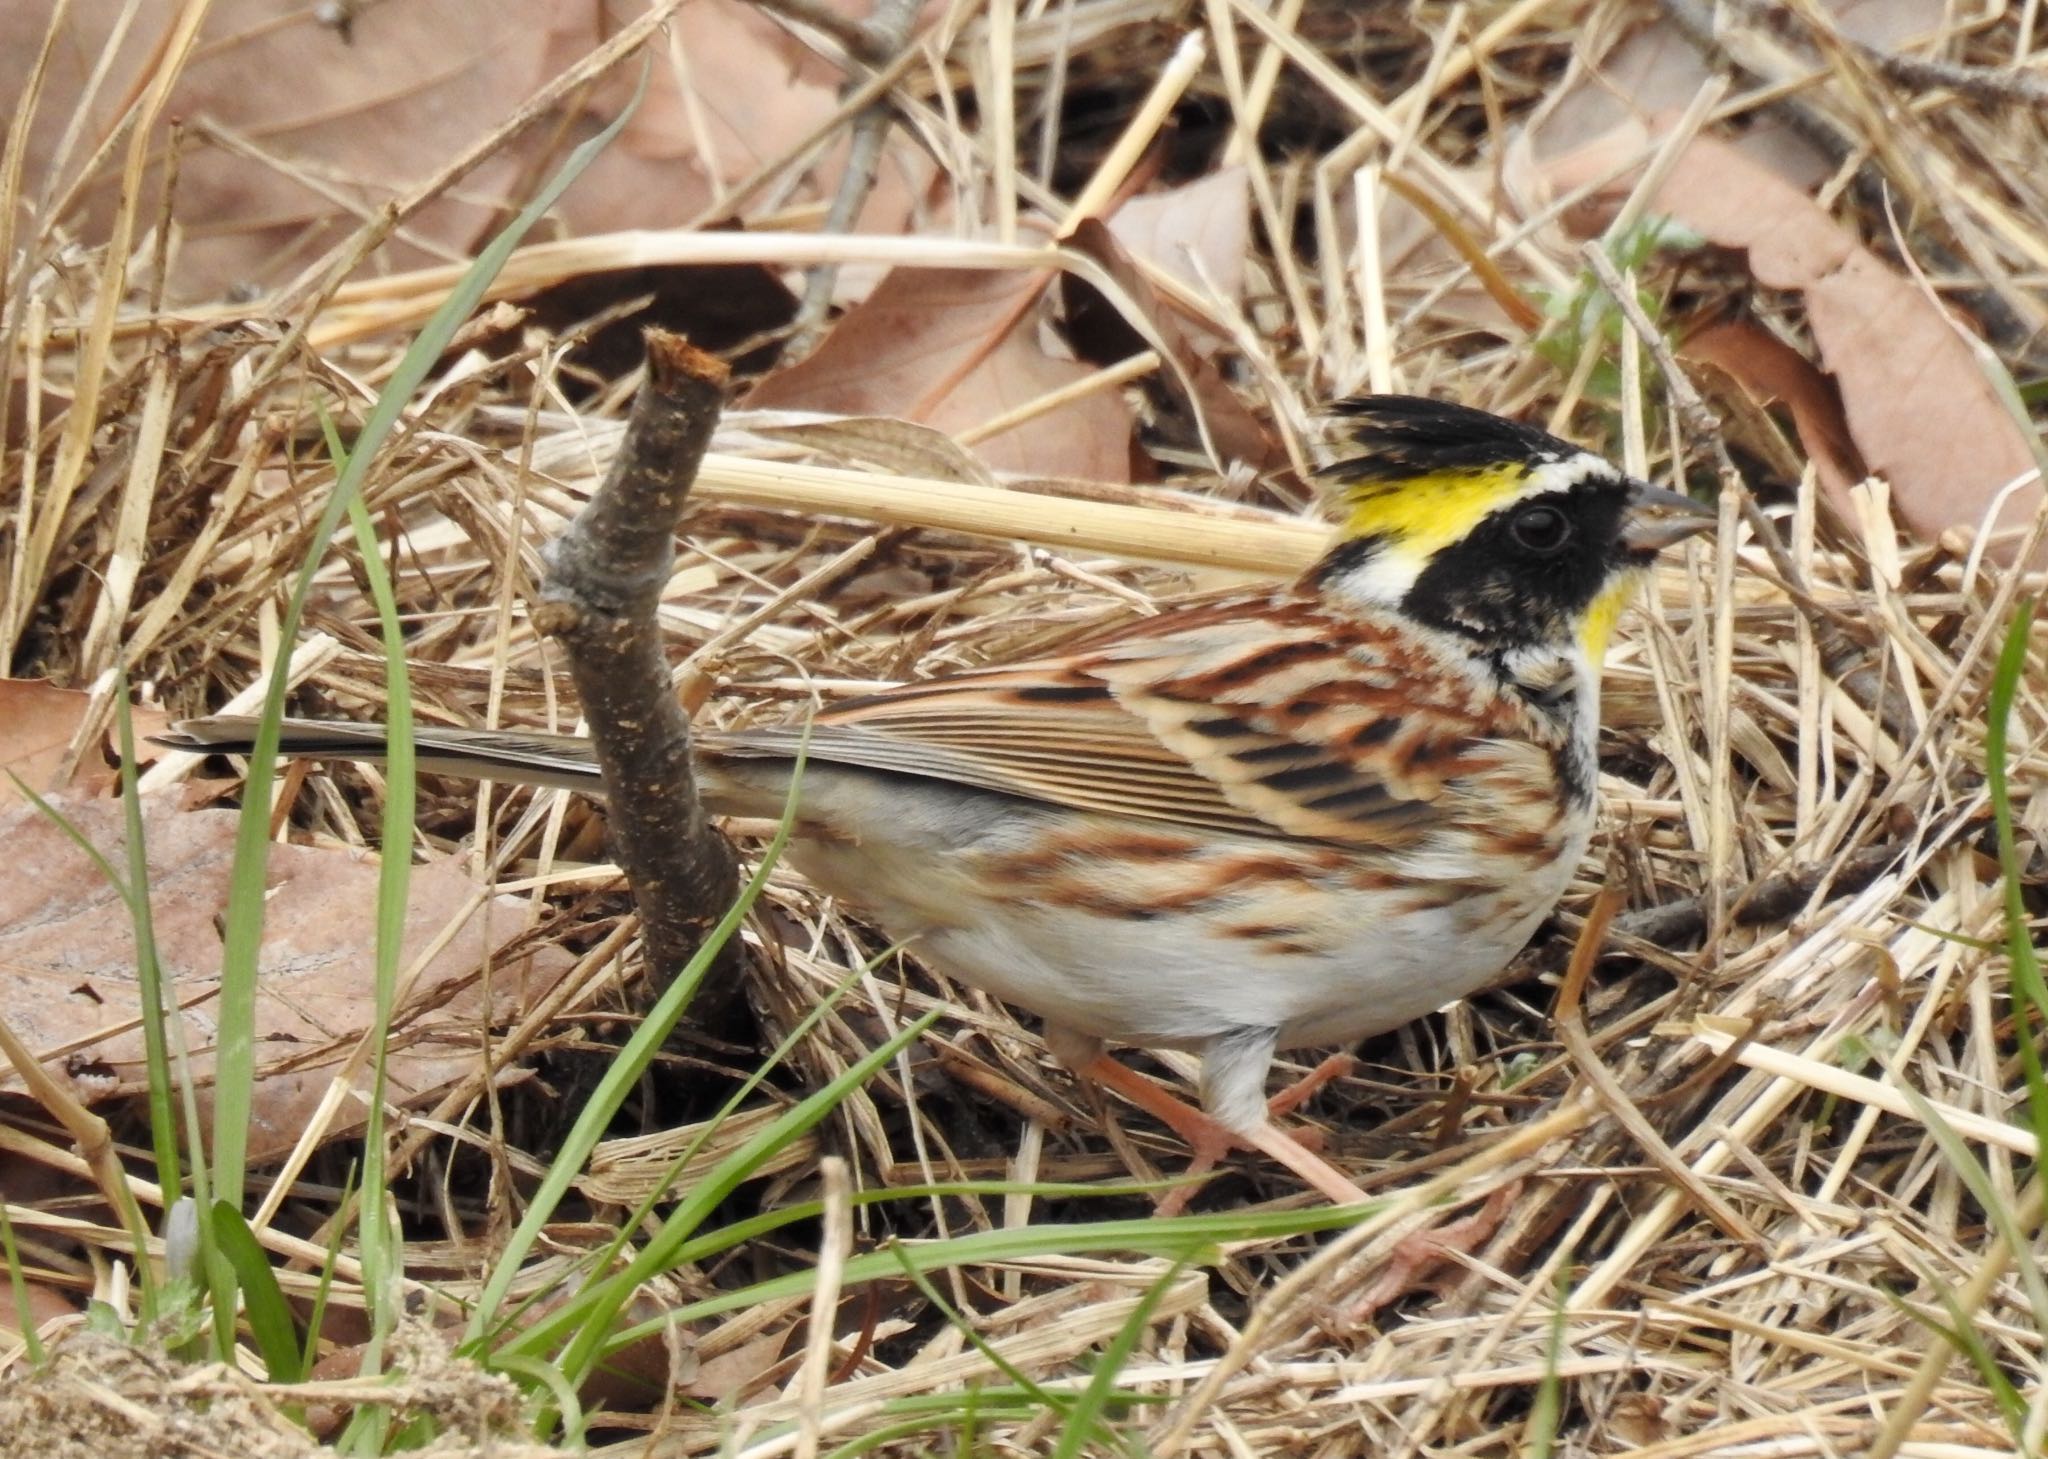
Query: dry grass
point(1732, 1229)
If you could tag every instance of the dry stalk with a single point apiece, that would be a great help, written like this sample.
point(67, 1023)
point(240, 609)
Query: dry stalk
point(1571, 1026)
point(88, 1131)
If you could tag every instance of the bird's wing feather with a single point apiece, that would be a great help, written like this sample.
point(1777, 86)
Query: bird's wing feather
point(520, 757)
point(1286, 721)
point(1253, 715)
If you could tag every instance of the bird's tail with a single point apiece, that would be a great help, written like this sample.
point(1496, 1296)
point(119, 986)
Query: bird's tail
point(732, 784)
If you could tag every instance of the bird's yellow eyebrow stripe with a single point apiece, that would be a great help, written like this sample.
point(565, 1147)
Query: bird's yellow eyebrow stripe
point(1428, 512)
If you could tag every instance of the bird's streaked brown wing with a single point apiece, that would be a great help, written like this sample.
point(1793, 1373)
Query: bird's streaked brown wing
point(1265, 715)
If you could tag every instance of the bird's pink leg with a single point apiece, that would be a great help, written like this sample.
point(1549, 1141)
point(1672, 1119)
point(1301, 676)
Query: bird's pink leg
point(1210, 1140)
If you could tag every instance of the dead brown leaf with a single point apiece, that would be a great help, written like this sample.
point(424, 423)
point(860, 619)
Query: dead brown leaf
point(45, 1304)
point(1918, 406)
point(1236, 434)
point(1199, 232)
point(952, 348)
point(1655, 69)
point(37, 723)
point(730, 1376)
point(1769, 372)
point(670, 1361)
point(737, 92)
point(67, 961)
point(298, 128)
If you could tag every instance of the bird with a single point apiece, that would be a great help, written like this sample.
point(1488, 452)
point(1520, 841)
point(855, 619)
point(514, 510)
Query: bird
point(1262, 819)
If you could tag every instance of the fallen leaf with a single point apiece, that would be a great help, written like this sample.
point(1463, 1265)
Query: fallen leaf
point(1211, 408)
point(731, 1375)
point(1640, 73)
point(37, 724)
point(1655, 69)
point(68, 980)
point(298, 128)
point(1918, 407)
point(953, 348)
point(1769, 372)
point(1200, 232)
point(731, 91)
point(46, 1304)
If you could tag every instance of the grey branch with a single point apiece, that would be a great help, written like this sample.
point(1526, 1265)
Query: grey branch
point(605, 575)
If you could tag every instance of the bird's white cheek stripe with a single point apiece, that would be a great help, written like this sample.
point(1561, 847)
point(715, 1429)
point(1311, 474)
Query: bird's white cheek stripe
point(1382, 579)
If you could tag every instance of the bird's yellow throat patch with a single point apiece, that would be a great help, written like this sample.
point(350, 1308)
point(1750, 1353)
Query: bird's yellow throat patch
point(1597, 627)
point(1420, 514)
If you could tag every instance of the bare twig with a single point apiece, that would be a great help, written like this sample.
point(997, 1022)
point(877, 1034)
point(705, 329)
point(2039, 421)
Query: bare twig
point(879, 41)
point(605, 574)
point(1995, 86)
point(1768, 899)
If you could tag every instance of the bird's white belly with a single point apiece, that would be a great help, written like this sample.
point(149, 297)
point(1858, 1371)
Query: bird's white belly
point(1103, 949)
point(1172, 986)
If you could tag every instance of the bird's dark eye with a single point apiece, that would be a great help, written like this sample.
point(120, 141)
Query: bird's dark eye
point(1541, 529)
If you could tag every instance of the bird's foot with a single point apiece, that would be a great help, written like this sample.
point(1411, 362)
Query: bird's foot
point(1211, 1140)
point(1415, 1257)
point(1295, 1095)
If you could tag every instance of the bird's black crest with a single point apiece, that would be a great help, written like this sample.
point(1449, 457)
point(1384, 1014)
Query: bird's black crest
point(1410, 435)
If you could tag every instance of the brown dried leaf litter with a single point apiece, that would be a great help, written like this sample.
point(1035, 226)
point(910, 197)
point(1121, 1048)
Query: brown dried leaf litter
point(1731, 1292)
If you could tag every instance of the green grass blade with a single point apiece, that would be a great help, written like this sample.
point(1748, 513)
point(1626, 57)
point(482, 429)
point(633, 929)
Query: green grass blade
point(590, 1344)
point(611, 1092)
point(17, 1278)
point(1196, 1240)
point(270, 1316)
point(753, 1228)
point(602, 1258)
point(317, 1318)
point(243, 934)
point(1540, 1432)
point(1977, 1180)
point(1086, 1418)
point(382, 1260)
point(1962, 1335)
point(163, 1112)
point(201, 1277)
point(544, 1375)
point(126, 1206)
point(890, 1434)
point(2030, 994)
point(378, 1240)
point(1025, 1399)
point(929, 1290)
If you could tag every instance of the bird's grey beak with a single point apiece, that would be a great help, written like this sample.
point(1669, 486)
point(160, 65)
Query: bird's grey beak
point(1657, 518)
